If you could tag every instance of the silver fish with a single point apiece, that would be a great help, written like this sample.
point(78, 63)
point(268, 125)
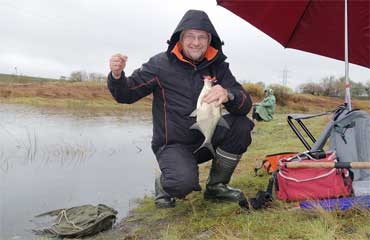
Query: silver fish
point(208, 116)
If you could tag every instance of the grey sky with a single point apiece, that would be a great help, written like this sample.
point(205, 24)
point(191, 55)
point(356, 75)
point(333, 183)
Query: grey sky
point(53, 38)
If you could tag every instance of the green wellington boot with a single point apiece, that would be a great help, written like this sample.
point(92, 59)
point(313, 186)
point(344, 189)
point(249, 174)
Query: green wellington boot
point(223, 166)
point(162, 199)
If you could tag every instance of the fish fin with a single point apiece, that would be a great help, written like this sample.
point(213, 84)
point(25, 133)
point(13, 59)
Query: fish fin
point(194, 113)
point(195, 126)
point(207, 145)
point(222, 122)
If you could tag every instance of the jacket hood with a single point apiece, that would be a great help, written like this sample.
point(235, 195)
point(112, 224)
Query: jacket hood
point(269, 91)
point(195, 19)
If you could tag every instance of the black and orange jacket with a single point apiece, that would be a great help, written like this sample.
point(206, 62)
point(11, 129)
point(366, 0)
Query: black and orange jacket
point(177, 83)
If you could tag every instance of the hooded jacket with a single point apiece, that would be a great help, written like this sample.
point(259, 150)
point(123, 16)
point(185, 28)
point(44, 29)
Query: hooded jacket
point(176, 84)
point(266, 108)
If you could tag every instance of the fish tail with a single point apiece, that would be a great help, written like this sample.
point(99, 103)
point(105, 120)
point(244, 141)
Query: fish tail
point(207, 145)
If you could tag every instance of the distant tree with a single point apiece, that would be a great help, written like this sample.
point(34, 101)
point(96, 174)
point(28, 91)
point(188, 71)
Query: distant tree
point(335, 87)
point(311, 88)
point(262, 84)
point(368, 88)
point(282, 93)
point(96, 77)
point(329, 85)
point(254, 89)
point(62, 78)
point(78, 76)
point(358, 89)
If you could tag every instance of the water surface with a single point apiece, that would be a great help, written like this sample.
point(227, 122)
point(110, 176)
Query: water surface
point(53, 159)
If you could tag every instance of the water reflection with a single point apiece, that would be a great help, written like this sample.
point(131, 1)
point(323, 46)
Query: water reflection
point(56, 159)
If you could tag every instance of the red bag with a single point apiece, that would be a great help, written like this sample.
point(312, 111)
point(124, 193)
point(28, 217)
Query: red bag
point(295, 184)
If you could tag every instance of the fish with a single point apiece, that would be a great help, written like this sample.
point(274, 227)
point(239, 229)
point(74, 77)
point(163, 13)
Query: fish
point(208, 116)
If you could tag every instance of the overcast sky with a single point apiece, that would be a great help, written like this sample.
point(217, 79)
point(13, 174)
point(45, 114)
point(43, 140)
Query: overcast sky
point(53, 38)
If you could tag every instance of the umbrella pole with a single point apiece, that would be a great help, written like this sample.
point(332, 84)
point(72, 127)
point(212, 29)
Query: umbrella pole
point(347, 85)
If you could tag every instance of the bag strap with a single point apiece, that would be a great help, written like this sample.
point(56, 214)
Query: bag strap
point(314, 156)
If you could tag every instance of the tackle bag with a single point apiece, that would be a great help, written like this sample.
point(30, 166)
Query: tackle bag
point(294, 184)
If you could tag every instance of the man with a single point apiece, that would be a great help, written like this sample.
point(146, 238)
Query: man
point(175, 78)
point(265, 110)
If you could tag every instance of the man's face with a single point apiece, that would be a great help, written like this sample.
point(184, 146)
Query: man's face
point(194, 43)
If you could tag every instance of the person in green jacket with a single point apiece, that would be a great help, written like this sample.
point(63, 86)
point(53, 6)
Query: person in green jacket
point(265, 110)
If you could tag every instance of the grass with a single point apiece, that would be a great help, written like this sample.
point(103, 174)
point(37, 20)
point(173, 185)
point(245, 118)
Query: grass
point(42, 92)
point(196, 218)
point(10, 79)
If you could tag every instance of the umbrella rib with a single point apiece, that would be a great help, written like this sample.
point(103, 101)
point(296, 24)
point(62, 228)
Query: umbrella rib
point(296, 26)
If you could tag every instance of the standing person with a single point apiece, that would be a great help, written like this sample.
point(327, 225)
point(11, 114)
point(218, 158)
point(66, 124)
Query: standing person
point(175, 77)
point(264, 111)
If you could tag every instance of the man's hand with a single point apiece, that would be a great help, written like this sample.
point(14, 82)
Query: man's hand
point(216, 94)
point(117, 63)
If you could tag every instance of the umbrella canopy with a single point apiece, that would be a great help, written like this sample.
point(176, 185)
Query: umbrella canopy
point(315, 26)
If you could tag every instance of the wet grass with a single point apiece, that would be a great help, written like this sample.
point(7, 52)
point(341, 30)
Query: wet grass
point(31, 146)
point(4, 161)
point(28, 150)
point(196, 218)
point(69, 153)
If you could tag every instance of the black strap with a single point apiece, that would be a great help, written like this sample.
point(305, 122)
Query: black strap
point(263, 198)
point(270, 185)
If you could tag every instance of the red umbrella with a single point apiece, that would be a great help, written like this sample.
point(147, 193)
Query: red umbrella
point(316, 26)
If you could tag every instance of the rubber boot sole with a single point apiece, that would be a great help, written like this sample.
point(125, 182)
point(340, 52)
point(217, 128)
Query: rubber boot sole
point(214, 198)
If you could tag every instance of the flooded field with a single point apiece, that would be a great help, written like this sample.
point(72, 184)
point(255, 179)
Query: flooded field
point(53, 159)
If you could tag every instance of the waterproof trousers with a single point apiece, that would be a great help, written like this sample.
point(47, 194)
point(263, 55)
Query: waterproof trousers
point(179, 165)
point(255, 115)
